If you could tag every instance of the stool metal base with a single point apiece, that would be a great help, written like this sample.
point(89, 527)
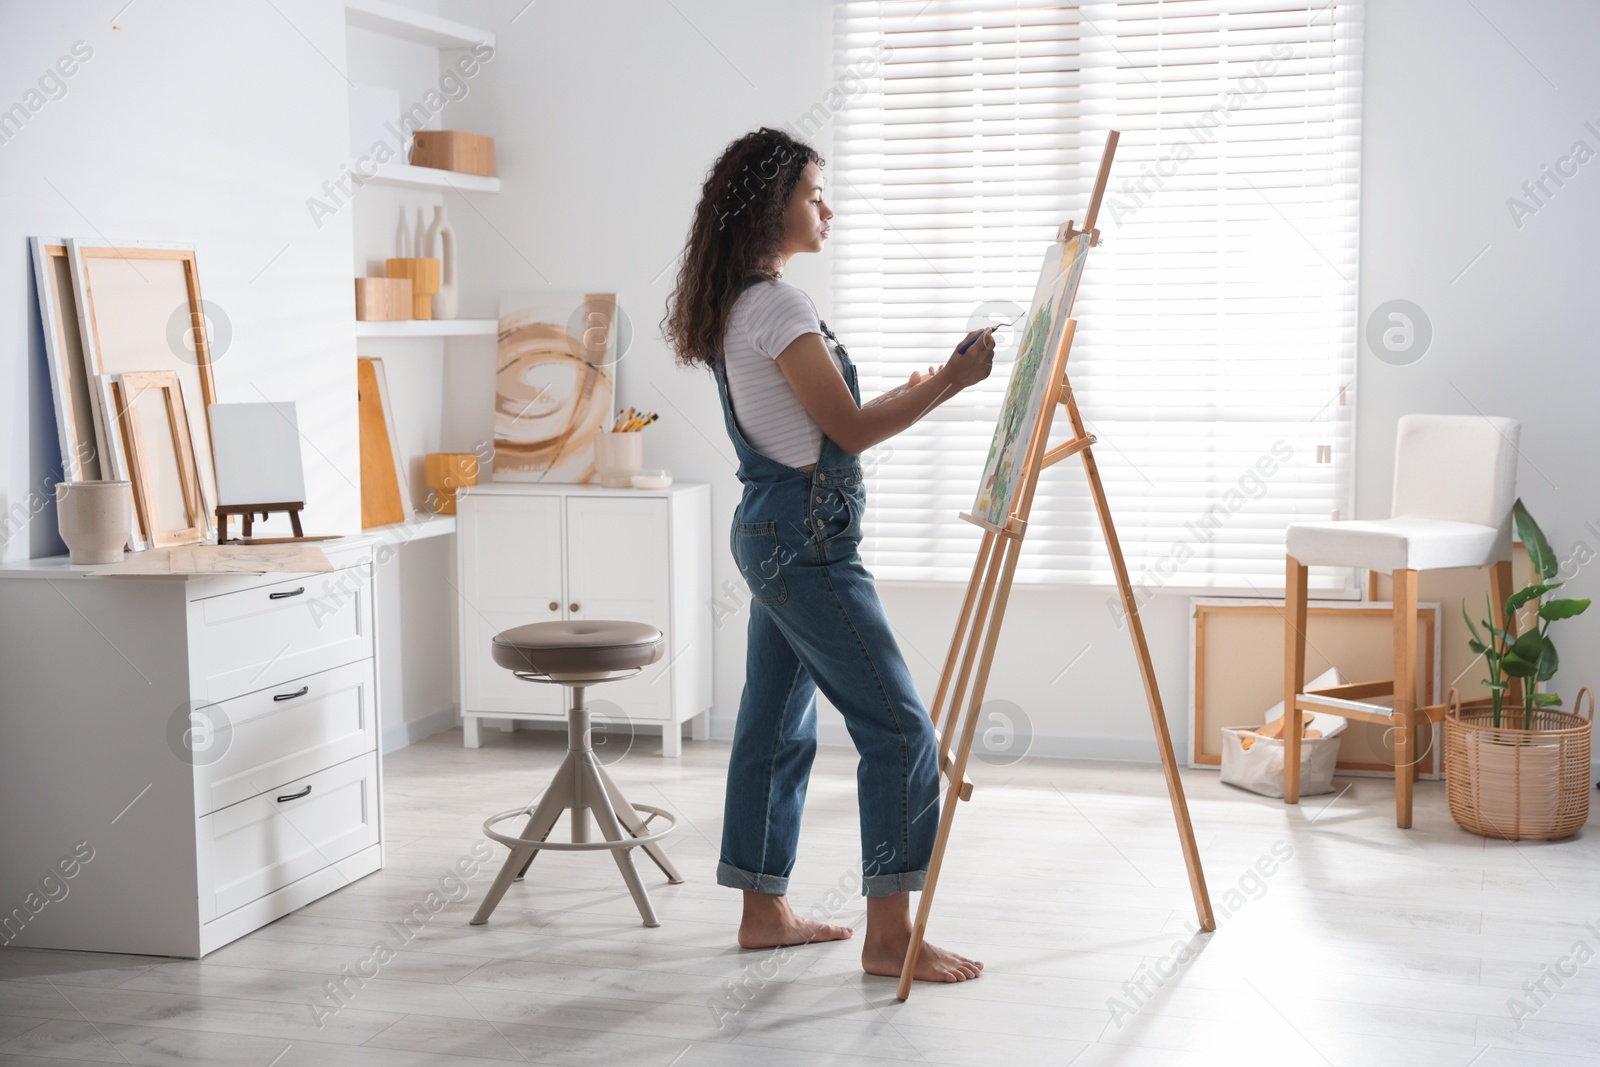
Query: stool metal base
point(582, 785)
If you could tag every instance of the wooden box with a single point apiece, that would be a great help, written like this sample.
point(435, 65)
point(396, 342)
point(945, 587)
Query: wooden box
point(446, 472)
point(383, 299)
point(421, 273)
point(468, 153)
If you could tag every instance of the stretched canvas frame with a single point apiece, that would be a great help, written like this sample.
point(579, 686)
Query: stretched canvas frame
point(385, 486)
point(1356, 636)
point(154, 419)
point(114, 451)
point(140, 309)
point(70, 385)
point(555, 380)
point(1052, 304)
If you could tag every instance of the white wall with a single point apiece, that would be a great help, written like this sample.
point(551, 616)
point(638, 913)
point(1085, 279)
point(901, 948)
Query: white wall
point(602, 173)
point(605, 119)
point(1454, 121)
point(1461, 109)
point(171, 131)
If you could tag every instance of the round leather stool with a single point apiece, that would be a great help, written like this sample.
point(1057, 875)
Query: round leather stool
point(577, 654)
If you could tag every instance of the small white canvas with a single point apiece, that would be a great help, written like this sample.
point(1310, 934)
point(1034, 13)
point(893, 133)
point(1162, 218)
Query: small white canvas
point(257, 448)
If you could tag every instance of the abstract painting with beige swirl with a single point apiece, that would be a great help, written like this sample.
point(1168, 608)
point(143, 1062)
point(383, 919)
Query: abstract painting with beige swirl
point(554, 383)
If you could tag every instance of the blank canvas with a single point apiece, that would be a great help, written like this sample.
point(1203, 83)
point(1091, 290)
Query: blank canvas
point(256, 448)
point(136, 307)
point(69, 381)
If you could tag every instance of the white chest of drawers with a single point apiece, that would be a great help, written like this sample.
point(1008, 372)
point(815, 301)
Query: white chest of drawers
point(209, 744)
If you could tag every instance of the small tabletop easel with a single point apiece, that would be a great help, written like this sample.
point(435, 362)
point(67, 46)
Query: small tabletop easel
point(247, 514)
point(978, 629)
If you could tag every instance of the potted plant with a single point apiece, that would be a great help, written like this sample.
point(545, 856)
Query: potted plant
point(1515, 765)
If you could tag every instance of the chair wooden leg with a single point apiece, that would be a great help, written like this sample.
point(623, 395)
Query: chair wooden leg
point(1294, 672)
point(1500, 590)
point(1405, 693)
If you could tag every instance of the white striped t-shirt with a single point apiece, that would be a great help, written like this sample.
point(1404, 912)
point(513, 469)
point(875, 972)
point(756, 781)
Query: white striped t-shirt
point(768, 316)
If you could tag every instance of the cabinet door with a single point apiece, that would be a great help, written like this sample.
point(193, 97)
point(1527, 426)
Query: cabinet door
point(617, 559)
point(510, 575)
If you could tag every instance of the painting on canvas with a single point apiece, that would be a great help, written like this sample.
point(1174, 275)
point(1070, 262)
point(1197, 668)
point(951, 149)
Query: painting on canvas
point(1052, 303)
point(555, 378)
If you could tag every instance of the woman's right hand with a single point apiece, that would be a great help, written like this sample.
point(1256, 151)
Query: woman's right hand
point(972, 366)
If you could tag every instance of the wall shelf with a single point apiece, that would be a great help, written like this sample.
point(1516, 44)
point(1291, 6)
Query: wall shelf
point(432, 178)
point(379, 16)
point(420, 528)
point(430, 328)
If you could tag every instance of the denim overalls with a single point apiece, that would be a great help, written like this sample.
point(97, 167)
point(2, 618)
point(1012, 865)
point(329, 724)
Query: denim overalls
point(816, 622)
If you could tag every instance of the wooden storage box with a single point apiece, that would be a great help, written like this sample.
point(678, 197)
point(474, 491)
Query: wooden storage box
point(468, 153)
point(421, 274)
point(383, 299)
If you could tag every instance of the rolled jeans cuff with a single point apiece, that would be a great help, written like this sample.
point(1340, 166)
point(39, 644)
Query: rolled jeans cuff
point(887, 885)
point(737, 878)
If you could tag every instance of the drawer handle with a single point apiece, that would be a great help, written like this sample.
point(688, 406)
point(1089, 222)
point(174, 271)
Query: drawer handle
point(573, 606)
point(302, 691)
point(294, 796)
point(554, 606)
point(286, 594)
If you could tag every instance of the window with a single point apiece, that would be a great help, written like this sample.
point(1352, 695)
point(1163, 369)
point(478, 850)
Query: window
point(1215, 351)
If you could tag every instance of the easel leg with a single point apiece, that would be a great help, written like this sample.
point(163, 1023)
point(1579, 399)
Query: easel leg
point(991, 636)
point(1152, 693)
point(962, 642)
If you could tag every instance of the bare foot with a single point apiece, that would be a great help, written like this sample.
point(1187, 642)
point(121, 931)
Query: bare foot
point(888, 936)
point(887, 956)
point(769, 922)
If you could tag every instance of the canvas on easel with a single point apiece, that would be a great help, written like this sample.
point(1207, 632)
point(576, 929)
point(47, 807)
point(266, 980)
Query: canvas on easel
point(1052, 301)
point(1019, 453)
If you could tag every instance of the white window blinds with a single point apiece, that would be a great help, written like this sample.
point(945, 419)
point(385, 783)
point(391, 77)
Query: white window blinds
point(1217, 335)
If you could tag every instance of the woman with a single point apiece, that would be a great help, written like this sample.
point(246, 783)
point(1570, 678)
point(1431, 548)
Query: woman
point(815, 618)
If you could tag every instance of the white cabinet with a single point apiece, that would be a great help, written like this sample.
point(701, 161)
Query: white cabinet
point(209, 743)
point(536, 553)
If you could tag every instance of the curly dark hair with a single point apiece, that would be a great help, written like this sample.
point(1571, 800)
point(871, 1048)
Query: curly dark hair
point(737, 225)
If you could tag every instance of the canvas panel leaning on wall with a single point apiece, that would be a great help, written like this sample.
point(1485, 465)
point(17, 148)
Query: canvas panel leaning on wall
point(555, 380)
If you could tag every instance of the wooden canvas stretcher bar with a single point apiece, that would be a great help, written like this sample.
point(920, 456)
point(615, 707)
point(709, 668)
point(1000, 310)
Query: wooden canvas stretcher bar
point(955, 710)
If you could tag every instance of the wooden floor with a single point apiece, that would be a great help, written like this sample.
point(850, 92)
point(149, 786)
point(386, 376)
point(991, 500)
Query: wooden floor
point(1367, 945)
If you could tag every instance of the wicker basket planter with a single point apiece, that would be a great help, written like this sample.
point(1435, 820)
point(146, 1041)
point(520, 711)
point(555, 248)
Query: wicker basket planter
point(1512, 783)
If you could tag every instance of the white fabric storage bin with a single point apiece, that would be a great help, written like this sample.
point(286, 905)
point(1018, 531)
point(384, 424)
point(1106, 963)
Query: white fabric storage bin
point(1259, 768)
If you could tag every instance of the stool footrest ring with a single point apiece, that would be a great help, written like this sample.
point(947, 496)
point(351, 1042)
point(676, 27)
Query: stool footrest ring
point(576, 846)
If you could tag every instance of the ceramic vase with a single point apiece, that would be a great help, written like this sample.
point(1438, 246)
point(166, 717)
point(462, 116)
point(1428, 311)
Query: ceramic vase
point(402, 238)
point(442, 243)
point(94, 519)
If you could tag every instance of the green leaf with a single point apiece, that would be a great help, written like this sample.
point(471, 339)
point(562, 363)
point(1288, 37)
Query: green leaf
point(1532, 592)
point(1562, 609)
point(1528, 646)
point(1476, 636)
point(1548, 662)
point(1477, 648)
point(1547, 700)
point(1539, 554)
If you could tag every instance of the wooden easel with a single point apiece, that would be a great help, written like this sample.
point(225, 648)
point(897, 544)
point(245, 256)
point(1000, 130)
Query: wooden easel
point(248, 512)
point(983, 609)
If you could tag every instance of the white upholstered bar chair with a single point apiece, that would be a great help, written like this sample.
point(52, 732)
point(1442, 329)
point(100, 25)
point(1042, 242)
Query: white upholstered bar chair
point(1454, 486)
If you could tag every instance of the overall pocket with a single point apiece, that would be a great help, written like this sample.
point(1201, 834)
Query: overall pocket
point(834, 512)
point(761, 559)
